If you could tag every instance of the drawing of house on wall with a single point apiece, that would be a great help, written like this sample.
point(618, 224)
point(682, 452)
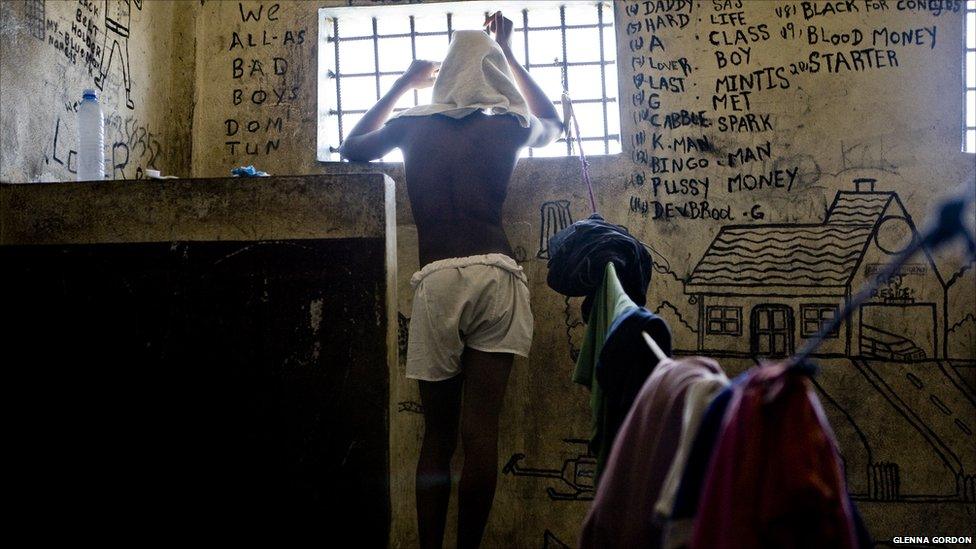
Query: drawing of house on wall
point(762, 289)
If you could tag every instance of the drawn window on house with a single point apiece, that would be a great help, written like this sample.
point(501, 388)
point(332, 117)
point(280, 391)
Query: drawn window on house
point(724, 320)
point(969, 75)
point(813, 317)
point(363, 50)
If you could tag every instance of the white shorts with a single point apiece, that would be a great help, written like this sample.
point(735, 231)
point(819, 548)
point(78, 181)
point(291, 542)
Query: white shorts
point(481, 302)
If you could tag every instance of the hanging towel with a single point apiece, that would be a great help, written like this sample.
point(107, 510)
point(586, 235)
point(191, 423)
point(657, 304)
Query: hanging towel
point(699, 397)
point(474, 76)
point(677, 529)
point(622, 514)
point(775, 479)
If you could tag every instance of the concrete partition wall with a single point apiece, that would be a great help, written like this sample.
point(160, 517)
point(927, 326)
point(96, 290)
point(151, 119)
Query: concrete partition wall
point(198, 357)
point(752, 108)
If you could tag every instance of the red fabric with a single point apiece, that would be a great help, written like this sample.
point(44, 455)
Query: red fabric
point(622, 514)
point(775, 479)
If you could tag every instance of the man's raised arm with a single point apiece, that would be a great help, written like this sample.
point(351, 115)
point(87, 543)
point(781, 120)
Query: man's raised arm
point(549, 126)
point(370, 139)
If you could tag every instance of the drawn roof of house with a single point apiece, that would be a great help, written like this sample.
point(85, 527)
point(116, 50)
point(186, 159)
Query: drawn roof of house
point(819, 255)
point(858, 207)
point(822, 257)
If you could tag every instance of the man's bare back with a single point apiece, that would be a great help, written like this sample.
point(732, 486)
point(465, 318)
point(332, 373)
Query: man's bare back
point(457, 169)
point(457, 173)
point(474, 318)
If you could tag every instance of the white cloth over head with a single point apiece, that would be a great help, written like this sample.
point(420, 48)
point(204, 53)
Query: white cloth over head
point(474, 76)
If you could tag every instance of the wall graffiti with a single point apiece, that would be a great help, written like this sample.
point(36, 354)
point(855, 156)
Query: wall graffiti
point(555, 216)
point(36, 18)
point(131, 149)
point(118, 17)
point(730, 141)
point(60, 153)
point(575, 476)
point(266, 78)
point(136, 148)
point(550, 541)
point(80, 44)
point(410, 407)
point(762, 289)
point(403, 334)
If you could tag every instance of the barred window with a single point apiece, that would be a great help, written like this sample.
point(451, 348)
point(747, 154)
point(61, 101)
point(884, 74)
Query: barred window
point(969, 126)
point(813, 317)
point(564, 45)
point(724, 320)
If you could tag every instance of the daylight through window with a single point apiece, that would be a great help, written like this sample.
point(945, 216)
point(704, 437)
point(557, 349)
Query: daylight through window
point(364, 50)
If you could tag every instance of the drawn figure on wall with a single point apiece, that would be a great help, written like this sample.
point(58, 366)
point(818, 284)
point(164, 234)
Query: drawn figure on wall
point(575, 474)
point(762, 289)
point(36, 18)
point(555, 217)
point(118, 16)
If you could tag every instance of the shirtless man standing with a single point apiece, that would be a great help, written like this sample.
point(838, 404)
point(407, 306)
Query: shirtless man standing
point(471, 312)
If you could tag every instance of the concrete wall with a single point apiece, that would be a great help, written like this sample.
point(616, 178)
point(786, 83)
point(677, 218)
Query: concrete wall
point(900, 125)
point(51, 50)
point(240, 337)
point(824, 123)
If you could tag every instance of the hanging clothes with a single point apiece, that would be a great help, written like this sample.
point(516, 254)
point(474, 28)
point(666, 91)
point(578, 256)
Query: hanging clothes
point(578, 254)
point(623, 507)
point(677, 529)
point(609, 302)
point(775, 479)
point(624, 365)
point(697, 401)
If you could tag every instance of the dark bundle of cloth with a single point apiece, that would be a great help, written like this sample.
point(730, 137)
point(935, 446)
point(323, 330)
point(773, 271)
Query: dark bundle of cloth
point(579, 253)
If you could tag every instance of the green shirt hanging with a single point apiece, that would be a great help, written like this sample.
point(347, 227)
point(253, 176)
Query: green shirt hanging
point(609, 302)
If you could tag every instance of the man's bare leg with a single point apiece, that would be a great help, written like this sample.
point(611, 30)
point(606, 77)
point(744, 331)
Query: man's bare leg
point(486, 375)
point(441, 401)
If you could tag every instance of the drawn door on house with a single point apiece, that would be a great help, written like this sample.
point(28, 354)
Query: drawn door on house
point(772, 331)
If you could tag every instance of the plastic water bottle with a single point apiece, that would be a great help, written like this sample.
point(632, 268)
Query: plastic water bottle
point(91, 139)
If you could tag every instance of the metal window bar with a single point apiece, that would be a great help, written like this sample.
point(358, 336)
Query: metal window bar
point(575, 102)
point(376, 58)
point(413, 55)
point(562, 64)
point(335, 33)
point(968, 108)
point(533, 66)
point(603, 80)
point(439, 33)
point(565, 68)
point(525, 35)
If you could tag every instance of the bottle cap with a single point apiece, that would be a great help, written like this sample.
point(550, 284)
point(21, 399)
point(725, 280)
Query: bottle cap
point(89, 94)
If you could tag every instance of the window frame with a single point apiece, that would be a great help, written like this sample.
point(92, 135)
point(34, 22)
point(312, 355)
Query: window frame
point(969, 76)
point(723, 320)
point(819, 309)
point(330, 74)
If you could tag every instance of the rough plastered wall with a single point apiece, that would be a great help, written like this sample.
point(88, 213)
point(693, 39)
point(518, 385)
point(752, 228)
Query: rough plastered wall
point(745, 126)
point(51, 50)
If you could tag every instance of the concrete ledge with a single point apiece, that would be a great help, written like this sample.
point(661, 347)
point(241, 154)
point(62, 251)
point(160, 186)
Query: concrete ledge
point(271, 208)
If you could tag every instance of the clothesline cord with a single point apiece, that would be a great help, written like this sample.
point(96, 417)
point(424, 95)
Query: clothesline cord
point(584, 165)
